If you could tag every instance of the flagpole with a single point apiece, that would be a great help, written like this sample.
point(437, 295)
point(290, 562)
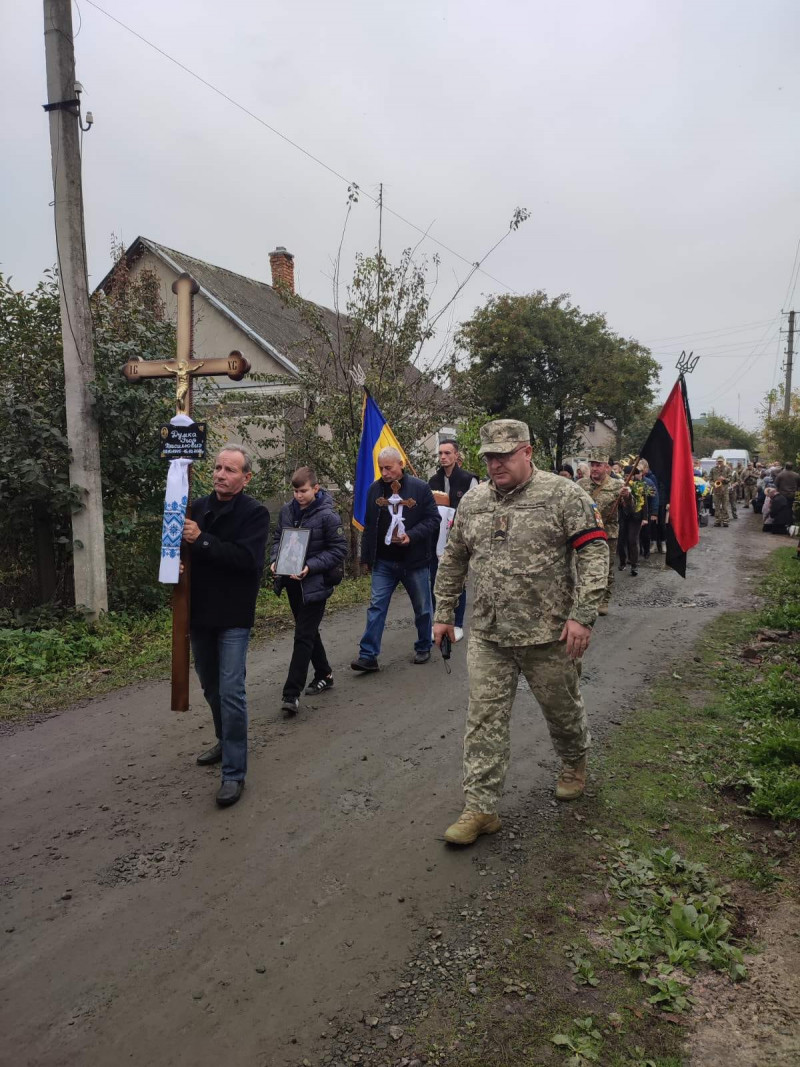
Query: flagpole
point(684, 365)
point(408, 462)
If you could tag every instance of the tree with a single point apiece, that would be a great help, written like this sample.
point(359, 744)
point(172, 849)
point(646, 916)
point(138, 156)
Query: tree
point(377, 340)
point(544, 361)
point(623, 391)
point(713, 431)
point(782, 432)
point(35, 494)
point(637, 432)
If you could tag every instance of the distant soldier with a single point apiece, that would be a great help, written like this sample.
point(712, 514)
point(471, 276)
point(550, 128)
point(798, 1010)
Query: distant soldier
point(605, 491)
point(733, 489)
point(749, 484)
point(539, 559)
point(720, 478)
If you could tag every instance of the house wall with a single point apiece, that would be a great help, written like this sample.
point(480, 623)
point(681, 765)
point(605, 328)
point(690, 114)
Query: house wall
point(597, 435)
point(215, 335)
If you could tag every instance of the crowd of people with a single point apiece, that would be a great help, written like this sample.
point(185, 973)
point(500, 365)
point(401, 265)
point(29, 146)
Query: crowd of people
point(772, 490)
point(540, 548)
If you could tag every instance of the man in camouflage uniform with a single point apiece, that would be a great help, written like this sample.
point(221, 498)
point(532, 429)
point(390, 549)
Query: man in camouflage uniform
point(605, 491)
point(750, 484)
point(720, 479)
point(733, 489)
point(538, 556)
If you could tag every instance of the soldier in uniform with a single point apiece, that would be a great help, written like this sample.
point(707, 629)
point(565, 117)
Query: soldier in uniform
point(733, 489)
point(720, 479)
point(606, 492)
point(749, 484)
point(538, 555)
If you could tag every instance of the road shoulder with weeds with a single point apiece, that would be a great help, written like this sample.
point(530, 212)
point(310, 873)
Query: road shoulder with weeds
point(652, 923)
point(48, 664)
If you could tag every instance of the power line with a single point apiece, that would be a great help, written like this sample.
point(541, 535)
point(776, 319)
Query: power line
point(475, 264)
point(746, 365)
point(728, 347)
point(704, 333)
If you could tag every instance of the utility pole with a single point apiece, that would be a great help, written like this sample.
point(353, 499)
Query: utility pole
point(787, 399)
point(380, 260)
point(63, 108)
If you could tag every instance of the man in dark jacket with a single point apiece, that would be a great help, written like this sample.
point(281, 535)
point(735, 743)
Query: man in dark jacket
point(453, 480)
point(227, 535)
point(311, 509)
point(396, 547)
point(787, 482)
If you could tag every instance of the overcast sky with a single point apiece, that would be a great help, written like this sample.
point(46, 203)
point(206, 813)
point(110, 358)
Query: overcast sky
point(654, 143)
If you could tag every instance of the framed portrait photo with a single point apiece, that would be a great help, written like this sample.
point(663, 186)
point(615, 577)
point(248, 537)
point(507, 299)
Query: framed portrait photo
point(292, 551)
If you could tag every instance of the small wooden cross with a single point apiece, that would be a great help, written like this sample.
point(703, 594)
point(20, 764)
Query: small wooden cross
point(382, 502)
point(394, 503)
point(184, 368)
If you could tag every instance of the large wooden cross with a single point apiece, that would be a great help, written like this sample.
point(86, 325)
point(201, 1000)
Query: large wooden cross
point(184, 368)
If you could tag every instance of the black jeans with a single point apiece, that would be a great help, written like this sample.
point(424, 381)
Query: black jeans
point(644, 539)
point(628, 543)
point(308, 646)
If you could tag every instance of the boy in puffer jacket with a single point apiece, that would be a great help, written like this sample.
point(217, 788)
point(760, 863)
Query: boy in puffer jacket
point(311, 509)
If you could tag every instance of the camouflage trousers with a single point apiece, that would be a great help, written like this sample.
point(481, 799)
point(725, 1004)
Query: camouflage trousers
point(720, 506)
point(750, 493)
point(493, 674)
point(612, 563)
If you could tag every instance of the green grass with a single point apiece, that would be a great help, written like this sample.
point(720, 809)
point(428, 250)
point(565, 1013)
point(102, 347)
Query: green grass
point(644, 894)
point(66, 660)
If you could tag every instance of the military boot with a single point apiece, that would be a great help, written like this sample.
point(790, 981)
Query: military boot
point(470, 825)
point(572, 780)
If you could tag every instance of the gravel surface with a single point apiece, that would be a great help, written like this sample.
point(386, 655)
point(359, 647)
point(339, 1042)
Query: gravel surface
point(312, 921)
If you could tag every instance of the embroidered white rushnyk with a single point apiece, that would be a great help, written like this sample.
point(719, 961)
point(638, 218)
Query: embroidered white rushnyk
point(446, 516)
point(175, 501)
point(395, 503)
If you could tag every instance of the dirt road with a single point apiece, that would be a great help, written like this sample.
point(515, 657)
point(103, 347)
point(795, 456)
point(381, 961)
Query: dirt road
point(144, 925)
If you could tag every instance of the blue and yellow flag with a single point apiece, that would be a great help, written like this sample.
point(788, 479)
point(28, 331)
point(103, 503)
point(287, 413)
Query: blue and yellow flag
point(375, 435)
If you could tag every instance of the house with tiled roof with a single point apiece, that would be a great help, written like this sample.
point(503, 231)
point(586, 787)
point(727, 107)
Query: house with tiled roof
point(231, 311)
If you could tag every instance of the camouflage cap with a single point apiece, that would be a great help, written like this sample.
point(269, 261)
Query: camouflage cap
point(503, 435)
point(597, 455)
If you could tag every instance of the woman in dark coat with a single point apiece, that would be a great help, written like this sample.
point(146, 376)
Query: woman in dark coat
point(311, 509)
point(780, 514)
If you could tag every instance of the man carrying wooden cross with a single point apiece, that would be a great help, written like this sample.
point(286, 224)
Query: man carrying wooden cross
point(227, 536)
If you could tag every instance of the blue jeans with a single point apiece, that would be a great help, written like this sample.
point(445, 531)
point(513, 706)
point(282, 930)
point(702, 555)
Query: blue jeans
point(461, 606)
point(220, 658)
point(385, 579)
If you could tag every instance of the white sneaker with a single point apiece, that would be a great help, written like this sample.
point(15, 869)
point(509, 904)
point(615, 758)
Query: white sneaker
point(459, 633)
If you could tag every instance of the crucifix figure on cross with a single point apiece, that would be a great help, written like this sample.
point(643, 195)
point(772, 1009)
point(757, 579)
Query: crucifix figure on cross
point(395, 503)
point(184, 368)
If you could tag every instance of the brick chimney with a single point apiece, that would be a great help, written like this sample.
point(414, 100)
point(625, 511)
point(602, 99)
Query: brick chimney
point(282, 265)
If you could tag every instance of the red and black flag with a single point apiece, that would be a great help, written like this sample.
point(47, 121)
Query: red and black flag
point(668, 450)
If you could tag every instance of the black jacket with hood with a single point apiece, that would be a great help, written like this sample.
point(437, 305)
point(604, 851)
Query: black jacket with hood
point(421, 522)
point(327, 547)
